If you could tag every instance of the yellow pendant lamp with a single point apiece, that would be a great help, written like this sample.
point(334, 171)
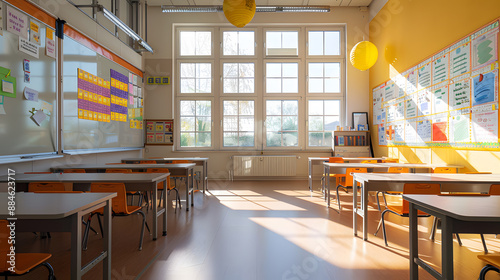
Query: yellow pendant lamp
point(364, 55)
point(239, 12)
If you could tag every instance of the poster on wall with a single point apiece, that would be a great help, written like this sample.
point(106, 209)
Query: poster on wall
point(484, 46)
point(459, 130)
point(159, 132)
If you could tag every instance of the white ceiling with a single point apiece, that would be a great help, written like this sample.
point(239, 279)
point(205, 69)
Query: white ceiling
point(350, 3)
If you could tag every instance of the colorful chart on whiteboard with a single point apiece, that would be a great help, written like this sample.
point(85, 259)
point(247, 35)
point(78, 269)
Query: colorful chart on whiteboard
point(447, 100)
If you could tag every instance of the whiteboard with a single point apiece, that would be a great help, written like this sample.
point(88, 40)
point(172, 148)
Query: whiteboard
point(81, 134)
point(19, 134)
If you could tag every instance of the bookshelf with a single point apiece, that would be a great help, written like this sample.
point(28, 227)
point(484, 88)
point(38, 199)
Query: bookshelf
point(351, 143)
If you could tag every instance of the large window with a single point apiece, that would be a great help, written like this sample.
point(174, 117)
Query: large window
point(266, 87)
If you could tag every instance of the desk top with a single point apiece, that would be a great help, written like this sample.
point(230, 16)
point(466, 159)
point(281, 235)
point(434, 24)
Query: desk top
point(43, 206)
point(387, 165)
point(466, 208)
point(427, 177)
point(125, 166)
point(347, 159)
point(165, 159)
point(87, 177)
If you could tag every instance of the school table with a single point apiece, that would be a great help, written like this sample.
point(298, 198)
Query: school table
point(458, 214)
point(454, 182)
point(82, 181)
point(198, 160)
point(38, 212)
point(340, 168)
point(174, 169)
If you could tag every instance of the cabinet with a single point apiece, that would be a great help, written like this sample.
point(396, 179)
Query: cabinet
point(352, 144)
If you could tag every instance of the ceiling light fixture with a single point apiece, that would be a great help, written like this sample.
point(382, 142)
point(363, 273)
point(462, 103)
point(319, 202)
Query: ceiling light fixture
point(259, 9)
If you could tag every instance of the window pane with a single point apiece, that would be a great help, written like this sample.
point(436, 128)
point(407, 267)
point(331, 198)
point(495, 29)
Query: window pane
point(290, 107)
point(273, 124)
point(187, 139)
point(203, 108)
point(187, 124)
point(204, 85)
point(195, 43)
point(246, 70)
point(290, 40)
point(273, 70)
point(332, 43)
point(188, 85)
point(230, 139)
point(230, 85)
point(273, 85)
point(315, 107)
point(331, 123)
point(290, 123)
point(203, 70)
point(332, 107)
point(282, 43)
point(290, 139)
point(203, 139)
point(204, 124)
point(290, 85)
point(231, 108)
point(246, 43)
point(246, 107)
point(315, 85)
point(315, 43)
point(315, 123)
point(246, 124)
point(315, 139)
point(273, 39)
point(188, 70)
point(273, 139)
point(187, 42)
point(290, 70)
point(230, 43)
point(332, 70)
point(230, 124)
point(246, 139)
point(315, 70)
point(246, 86)
point(328, 138)
point(187, 108)
point(203, 43)
point(230, 70)
point(273, 107)
point(332, 85)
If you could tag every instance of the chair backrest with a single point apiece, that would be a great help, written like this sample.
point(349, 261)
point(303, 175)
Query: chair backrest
point(369, 161)
point(46, 186)
point(147, 162)
point(118, 170)
point(119, 202)
point(161, 170)
point(391, 160)
point(4, 245)
point(181, 161)
point(445, 170)
point(413, 188)
point(335, 160)
point(74, 170)
point(495, 189)
point(394, 169)
point(348, 176)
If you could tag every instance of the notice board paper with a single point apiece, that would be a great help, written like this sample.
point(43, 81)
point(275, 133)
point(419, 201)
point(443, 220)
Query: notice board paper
point(485, 127)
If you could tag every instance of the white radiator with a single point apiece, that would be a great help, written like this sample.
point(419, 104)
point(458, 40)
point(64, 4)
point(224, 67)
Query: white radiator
point(264, 165)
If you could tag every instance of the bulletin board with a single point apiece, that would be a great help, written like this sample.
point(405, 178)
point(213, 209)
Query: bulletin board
point(102, 100)
point(160, 132)
point(28, 107)
point(448, 100)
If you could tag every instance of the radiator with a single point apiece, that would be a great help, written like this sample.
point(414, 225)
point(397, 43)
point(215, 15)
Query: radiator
point(264, 165)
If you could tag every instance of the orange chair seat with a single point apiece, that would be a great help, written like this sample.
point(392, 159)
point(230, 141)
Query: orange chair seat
point(493, 259)
point(399, 209)
point(27, 261)
point(130, 210)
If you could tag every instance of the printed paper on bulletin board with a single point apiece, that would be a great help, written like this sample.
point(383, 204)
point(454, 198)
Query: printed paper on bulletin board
point(159, 132)
point(449, 99)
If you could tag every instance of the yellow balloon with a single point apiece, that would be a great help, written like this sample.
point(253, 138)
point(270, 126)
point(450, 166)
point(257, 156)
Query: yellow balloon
point(239, 12)
point(364, 55)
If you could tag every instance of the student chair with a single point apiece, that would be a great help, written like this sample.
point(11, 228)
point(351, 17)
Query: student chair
point(130, 193)
point(147, 162)
point(119, 207)
point(339, 178)
point(74, 170)
point(46, 186)
point(403, 208)
point(369, 161)
point(492, 263)
point(390, 160)
point(391, 170)
point(25, 262)
point(348, 182)
point(169, 187)
point(444, 170)
point(181, 177)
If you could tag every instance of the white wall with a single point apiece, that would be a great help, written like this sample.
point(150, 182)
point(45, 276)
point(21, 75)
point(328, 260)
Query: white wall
point(158, 102)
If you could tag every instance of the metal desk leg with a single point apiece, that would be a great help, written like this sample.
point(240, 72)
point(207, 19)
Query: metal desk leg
point(413, 242)
point(187, 189)
point(165, 207)
point(155, 210)
point(446, 248)
point(355, 207)
point(205, 176)
point(310, 176)
point(364, 206)
point(76, 247)
point(192, 187)
point(327, 183)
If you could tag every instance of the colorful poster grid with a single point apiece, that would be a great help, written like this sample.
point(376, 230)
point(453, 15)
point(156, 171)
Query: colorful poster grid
point(119, 96)
point(93, 97)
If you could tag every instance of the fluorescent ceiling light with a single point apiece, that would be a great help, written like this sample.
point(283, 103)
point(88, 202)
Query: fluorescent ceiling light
point(262, 9)
point(125, 28)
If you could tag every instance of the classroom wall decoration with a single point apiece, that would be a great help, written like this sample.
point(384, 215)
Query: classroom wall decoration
point(159, 132)
point(119, 96)
point(136, 111)
point(94, 97)
point(447, 100)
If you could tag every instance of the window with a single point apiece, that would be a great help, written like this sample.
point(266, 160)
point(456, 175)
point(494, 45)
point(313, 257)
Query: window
point(324, 77)
point(324, 117)
point(282, 43)
point(238, 123)
point(282, 123)
point(238, 43)
point(195, 123)
point(274, 87)
point(324, 43)
point(195, 43)
point(196, 77)
point(238, 77)
point(282, 77)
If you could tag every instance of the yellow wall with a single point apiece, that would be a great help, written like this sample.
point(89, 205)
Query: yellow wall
point(408, 31)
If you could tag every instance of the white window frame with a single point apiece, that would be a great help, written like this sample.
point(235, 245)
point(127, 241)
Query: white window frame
point(299, 129)
point(341, 119)
point(178, 84)
point(300, 48)
point(256, 132)
point(300, 73)
point(342, 74)
point(342, 39)
point(178, 44)
point(255, 50)
point(178, 127)
point(257, 75)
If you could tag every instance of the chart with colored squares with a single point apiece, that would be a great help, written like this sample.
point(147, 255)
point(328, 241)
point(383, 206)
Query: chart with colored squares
point(119, 96)
point(159, 132)
point(447, 100)
point(93, 97)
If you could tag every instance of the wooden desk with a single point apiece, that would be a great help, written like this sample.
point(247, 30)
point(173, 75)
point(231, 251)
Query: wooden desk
point(82, 181)
point(394, 182)
point(199, 162)
point(458, 214)
point(174, 169)
point(38, 212)
point(320, 160)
